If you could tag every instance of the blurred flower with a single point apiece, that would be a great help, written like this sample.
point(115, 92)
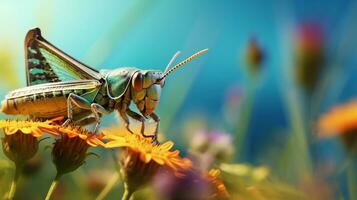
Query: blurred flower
point(318, 187)
point(309, 54)
point(341, 121)
point(254, 56)
point(217, 184)
point(193, 185)
point(209, 147)
point(140, 159)
point(70, 150)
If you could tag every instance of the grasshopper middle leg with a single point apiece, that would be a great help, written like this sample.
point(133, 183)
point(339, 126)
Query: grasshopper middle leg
point(122, 113)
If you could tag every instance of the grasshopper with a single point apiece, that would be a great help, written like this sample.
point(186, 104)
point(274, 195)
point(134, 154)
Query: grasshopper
point(59, 85)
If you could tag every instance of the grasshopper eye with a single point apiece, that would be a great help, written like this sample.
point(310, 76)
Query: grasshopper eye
point(138, 81)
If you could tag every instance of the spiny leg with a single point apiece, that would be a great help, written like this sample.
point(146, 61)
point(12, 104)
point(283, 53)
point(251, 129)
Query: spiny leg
point(156, 118)
point(86, 121)
point(97, 110)
point(79, 102)
point(122, 113)
point(139, 118)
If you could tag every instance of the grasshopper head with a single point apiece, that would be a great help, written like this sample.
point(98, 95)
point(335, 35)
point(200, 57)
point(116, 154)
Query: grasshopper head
point(146, 85)
point(146, 90)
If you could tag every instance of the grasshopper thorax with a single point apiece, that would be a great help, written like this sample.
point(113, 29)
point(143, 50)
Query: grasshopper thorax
point(146, 90)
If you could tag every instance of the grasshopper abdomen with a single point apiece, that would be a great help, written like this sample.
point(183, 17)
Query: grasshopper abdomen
point(46, 102)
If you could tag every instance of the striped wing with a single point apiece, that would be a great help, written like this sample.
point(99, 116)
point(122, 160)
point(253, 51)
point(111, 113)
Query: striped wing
point(45, 63)
point(58, 88)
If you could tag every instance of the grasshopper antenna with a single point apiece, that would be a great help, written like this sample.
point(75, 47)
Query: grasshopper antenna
point(172, 60)
point(181, 63)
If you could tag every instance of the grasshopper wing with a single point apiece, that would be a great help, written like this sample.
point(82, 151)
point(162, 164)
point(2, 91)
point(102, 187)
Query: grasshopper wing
point(45, 63)
point(57, 88)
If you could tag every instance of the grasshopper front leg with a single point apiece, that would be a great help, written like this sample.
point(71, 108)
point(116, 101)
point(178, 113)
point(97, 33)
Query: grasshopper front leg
point(141, 119)
point(156, 118)
point(83, 103)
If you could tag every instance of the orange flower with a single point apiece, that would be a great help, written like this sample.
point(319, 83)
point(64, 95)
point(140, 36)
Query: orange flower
point(341, 119)
point(71, 131)
point(70, 150)
point(141, 159)
point(218, 186)
point(20, 142)
point(147, 151)
point(35, 128)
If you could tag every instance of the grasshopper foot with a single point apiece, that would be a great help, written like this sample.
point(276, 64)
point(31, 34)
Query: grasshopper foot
point(67, 122)
point(127, 128)
point(96, 129)
point(155, 141)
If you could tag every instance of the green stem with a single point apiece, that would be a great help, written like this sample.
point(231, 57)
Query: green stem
point(127, 192)
point(244, 118)
point(111, 183)
point(18, 169)
point(351, 179)
point(53, 186)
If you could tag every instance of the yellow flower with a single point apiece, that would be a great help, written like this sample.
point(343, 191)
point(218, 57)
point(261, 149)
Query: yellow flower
point(70, 150)
point(141, 159)
point(20, 142)
point(70, 131)
point(160, 154)
point(35, 128)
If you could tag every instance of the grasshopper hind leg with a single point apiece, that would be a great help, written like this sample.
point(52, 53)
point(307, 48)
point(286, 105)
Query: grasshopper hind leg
point(78, 101)
point(83, 103)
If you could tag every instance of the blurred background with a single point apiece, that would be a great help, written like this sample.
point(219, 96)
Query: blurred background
point(272, 70)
